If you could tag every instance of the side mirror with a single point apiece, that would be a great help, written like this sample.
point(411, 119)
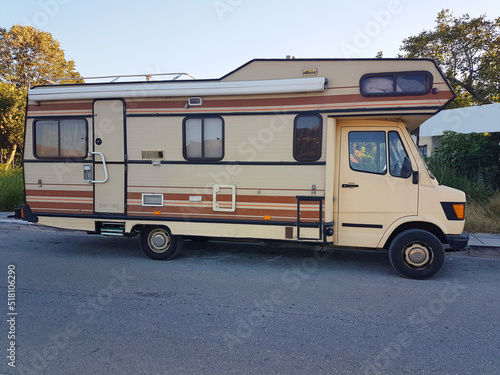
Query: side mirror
point(415, 177)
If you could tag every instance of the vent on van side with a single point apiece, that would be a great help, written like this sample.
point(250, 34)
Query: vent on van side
point(152, 200)
point(152, 155)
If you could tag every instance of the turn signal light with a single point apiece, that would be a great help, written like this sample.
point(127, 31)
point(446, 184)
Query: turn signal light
point(459, 210)
point(454, 210)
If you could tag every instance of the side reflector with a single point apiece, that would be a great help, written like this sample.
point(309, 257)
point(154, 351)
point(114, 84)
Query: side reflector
point(157, 212)
point(267, 217)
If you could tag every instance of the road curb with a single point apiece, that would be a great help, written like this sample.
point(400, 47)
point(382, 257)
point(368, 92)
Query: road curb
point(13, 221)
point(483, 251)
point(6, 219)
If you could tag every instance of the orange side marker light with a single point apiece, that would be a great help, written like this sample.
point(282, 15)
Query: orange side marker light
point(459, 210)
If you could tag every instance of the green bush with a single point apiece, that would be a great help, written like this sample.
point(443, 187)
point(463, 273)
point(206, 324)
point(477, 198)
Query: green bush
point(469, 162)
point(11, 188)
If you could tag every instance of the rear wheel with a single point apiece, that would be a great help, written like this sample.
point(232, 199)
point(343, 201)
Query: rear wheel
point(417, 254)
point(159, 243)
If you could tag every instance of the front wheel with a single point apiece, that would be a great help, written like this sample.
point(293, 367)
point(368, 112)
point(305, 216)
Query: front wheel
point(417, 254)
point(158, 243)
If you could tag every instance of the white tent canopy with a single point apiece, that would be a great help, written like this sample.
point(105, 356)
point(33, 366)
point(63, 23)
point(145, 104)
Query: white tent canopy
point(479, 119)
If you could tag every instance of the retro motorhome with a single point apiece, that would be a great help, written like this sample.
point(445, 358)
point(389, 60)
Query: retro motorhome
point(299, 150)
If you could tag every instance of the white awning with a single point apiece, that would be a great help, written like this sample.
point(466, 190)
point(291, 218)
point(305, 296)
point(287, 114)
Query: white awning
point(175, 88)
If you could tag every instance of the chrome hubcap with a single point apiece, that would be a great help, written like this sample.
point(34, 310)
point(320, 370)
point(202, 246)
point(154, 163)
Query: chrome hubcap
point(417, 255)
point(159, 240)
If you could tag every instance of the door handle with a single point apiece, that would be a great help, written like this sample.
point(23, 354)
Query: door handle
point(104, 166)
point(350, 185)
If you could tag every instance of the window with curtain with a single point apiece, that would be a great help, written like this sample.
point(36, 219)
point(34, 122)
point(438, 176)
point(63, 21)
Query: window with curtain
point(61, 138)
point(203, 138)
point(307, 130)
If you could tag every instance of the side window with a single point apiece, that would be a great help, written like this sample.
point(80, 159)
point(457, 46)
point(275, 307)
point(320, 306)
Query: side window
point(399, 163)
point(60, 139)
point(203, 138)
point(307, 131)
point(394, 84)
point(367, 151)
point(423, 150)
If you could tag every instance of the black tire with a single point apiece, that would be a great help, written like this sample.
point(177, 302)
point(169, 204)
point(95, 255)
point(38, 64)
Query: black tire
point(158, 243)
point(417, 254)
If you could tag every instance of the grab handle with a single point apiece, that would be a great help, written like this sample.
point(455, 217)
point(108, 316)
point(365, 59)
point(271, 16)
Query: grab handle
point(105, 168)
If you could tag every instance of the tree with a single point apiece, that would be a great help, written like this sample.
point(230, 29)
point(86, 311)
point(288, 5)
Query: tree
point(28, 57)
point(31, 57)
point(12, 105)
point(467, 50)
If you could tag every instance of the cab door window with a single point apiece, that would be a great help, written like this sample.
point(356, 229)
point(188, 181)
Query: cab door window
point(399, 162)
point(367, 151)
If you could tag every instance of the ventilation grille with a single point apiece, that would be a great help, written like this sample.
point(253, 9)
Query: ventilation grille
point(155, 200)
point(152, 155)
point(195, 102)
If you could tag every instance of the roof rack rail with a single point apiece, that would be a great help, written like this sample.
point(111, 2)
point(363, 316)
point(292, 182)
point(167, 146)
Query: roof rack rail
point(115, 78)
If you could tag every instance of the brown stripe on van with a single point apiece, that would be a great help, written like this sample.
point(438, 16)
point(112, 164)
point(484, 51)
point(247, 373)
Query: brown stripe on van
point(286, 101)
point(60, 193)
point(38, 207)
point(43, 106)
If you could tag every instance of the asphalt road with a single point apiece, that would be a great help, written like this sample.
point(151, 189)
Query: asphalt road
point(93, 305)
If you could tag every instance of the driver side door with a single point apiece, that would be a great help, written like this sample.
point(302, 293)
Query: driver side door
point(374, 189)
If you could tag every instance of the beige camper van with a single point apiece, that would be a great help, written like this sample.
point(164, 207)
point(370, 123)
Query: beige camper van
point(299, 150)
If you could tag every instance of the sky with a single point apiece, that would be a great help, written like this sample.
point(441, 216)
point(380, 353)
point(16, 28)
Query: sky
point(209, 38)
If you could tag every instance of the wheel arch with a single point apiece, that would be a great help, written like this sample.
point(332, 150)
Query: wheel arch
point(401, 227)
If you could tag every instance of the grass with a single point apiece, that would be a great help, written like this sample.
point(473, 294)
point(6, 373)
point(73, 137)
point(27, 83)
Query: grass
point(11, 188)
point(483, 217)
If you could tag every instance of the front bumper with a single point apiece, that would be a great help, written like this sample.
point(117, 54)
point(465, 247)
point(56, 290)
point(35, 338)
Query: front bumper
point(457, 241)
